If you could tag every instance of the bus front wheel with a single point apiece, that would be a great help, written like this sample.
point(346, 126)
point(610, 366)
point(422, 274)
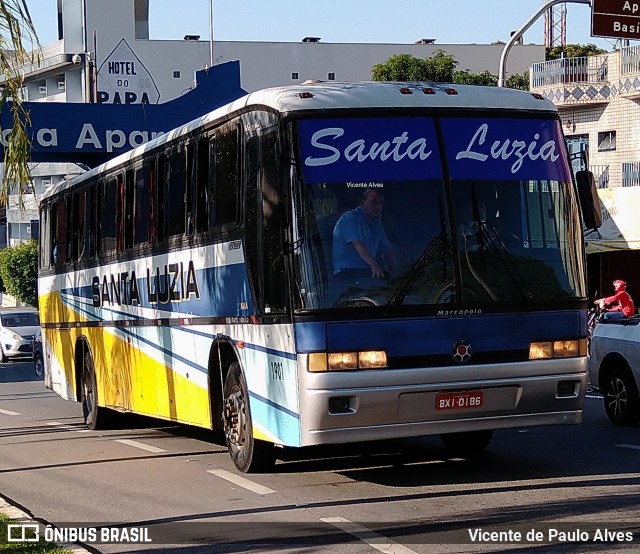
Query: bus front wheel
point(249, 454)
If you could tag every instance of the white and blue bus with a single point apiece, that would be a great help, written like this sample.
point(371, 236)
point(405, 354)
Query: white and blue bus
point(199, 278)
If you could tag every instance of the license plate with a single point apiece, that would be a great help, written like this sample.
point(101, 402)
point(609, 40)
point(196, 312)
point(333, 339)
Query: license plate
point(459, 400)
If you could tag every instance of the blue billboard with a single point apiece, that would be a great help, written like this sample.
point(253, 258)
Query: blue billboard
point(94, 133)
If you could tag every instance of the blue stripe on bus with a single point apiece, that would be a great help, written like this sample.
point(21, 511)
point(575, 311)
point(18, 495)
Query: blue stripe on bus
point(435, 335)
point(256, 347)
point(164, 351)
point(272, 404)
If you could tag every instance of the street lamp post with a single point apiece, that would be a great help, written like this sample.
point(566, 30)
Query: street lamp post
point(521, 30)
point(210, 33)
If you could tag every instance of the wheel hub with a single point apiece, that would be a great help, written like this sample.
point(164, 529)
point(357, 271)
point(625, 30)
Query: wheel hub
point(234, 418)
point(617, 397)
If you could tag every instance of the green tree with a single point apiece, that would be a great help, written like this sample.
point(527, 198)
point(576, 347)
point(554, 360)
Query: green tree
point(485, 78)
point(518, 81)
point(19, 271)
point(573, 51)
point(440, 67)
point(401, 67)
point(16, 32)
point(437, 68)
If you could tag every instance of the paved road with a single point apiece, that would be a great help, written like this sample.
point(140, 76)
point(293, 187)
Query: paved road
point(398, 496)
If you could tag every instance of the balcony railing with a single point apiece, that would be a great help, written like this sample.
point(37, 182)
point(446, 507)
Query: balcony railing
point(630, 60)
point(584, 69)
point(601, 175)
point(630, 174)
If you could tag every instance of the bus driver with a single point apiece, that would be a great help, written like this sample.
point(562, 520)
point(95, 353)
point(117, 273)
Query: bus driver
point(359, 239)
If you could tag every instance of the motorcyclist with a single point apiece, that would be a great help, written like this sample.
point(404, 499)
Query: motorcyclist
point(619, 305)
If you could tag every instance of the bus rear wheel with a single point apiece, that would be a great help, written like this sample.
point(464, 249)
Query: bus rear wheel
point(94, 416)
point(249, 454)
point(467, 442)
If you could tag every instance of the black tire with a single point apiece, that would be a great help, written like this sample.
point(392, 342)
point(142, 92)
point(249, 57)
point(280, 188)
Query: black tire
point(95, 417)
point(621, 398)
point(249, 454)
point(468, 442)
point(38, 366)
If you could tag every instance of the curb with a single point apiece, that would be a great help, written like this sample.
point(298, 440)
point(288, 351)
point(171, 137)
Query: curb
point(20, 516)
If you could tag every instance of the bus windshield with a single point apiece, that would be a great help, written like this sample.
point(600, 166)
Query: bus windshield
point(385, 218)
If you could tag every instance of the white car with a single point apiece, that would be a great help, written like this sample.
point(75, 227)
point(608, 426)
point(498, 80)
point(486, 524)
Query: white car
point(614, 368)
point(18, 326)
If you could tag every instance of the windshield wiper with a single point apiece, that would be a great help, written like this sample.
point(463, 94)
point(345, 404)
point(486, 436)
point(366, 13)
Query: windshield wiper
point(415, 271)
point(492, 242)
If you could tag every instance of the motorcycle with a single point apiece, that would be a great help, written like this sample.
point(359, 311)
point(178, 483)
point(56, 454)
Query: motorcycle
point(593, 318)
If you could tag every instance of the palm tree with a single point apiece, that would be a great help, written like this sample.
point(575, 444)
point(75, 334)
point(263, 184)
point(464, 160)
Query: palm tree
point(16, 32)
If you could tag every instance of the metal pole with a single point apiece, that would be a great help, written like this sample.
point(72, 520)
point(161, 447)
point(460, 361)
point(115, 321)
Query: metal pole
point(521, 30)
point(210, 33)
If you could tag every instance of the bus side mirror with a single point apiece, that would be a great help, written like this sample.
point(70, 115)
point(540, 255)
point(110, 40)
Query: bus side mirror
point(589, 199)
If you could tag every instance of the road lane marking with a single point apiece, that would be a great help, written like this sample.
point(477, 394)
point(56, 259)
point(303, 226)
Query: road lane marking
point(67, 427)
point(631, 446)
point(241, 481)
point(8, 412)
point(141, 445)
point(367, 536)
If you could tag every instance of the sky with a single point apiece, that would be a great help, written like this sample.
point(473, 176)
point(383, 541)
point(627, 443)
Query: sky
point(359, 21)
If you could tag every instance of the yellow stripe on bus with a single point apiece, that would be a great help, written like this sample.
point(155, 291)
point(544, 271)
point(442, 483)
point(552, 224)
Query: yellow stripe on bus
point(134, 381)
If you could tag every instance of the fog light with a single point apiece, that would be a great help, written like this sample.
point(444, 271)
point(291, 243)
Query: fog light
point(340, 405)
point(567, 388)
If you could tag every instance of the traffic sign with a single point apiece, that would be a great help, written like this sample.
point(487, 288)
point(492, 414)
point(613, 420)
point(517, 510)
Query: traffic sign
point(615, 19)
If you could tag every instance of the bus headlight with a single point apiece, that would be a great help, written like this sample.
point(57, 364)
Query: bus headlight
point(374, 359)
point(343, 360)
point(346, 361)
point(557, 349)
point(540, 350)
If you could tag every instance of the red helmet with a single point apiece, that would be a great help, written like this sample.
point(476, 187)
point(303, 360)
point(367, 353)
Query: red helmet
point(619, 285)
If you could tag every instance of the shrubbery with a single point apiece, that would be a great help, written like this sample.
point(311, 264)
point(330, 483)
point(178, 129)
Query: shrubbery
point(19, 272)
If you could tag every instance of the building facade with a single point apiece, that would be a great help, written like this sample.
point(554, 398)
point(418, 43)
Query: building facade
point(104, 55)
point(598, 98)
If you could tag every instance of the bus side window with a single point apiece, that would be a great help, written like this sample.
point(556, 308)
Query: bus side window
point(142, 206)
point(60, 241)
point(153, 200)
point(202, 190)
point(108, 228)
point(211, 185)
point(44, 239)
point(161, 211)
point(191, 185)
point(90, 226)
point(226, 178)
point(76, 247)
point(272, 219)
point(129, 205)
point(176, 193)
point(53, 235)
point(253, 231)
